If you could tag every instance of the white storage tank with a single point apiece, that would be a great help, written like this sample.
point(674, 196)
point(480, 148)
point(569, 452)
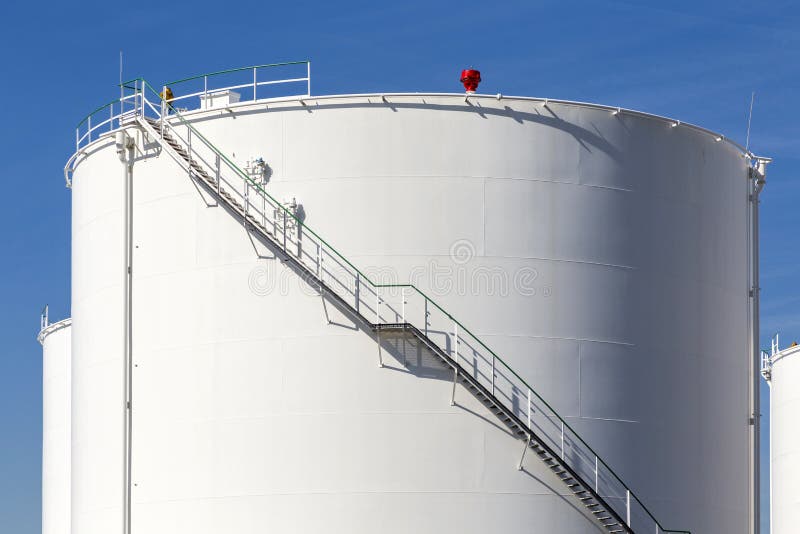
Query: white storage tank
point(56, 387)
point(602, 253)
point(781, 369)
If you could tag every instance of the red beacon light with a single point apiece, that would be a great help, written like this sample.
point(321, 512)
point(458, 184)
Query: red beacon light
point(470, 78)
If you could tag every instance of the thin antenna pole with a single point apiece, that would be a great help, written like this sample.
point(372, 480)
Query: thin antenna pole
point(749, 120)
point(121, 89)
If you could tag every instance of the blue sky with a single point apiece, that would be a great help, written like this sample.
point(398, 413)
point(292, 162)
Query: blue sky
point(696, 61)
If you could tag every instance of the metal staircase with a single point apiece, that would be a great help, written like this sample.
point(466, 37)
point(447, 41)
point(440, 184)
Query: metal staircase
point(402, 310)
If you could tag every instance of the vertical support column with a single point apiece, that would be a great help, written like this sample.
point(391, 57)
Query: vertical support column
point(128, 148)
point(527, 442)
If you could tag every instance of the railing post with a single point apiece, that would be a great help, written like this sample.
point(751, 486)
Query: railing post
point(454, 354)
point(218, 174)
point(255, 85)
point(205, 91)
point(77, 138)
point(455, 340)
point(319, 258)
point(284, 230)
point(628, 507)
point(89, 125)
point(493, 358)
point(403, 298)
point(357, 292)
point(111, 116)
point(562, 440)
point(246, 198)
point(596, 475)
point(377, 307)
point(308, 75)
point(163, 96)
point(529, 408)
point(426, 317)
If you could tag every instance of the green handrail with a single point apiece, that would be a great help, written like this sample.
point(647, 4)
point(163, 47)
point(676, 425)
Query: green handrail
point(239, 69)
point(86, 118)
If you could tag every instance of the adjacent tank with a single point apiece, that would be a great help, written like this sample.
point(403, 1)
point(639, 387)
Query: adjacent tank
point(782, 371)
point(603, 254)
point(56, 340)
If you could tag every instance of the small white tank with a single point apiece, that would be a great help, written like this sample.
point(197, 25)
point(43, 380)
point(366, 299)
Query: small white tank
point(781, 369)
point(56, 340)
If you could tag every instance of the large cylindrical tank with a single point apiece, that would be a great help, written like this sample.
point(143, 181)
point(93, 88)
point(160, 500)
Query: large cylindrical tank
point(784, 377)
point(604, 255)
point(56, 340)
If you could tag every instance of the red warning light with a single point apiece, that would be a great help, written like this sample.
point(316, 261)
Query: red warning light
point(470, 78)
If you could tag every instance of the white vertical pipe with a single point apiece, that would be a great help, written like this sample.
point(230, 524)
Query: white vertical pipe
point(128, 337)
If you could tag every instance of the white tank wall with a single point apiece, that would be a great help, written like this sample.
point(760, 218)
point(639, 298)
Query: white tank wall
point(251, 409)
point(97, 366)
point(56, 342)
point(785, 441)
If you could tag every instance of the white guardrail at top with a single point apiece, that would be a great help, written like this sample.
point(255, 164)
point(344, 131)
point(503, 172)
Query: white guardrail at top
point(251, 83)
point(377, 304)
